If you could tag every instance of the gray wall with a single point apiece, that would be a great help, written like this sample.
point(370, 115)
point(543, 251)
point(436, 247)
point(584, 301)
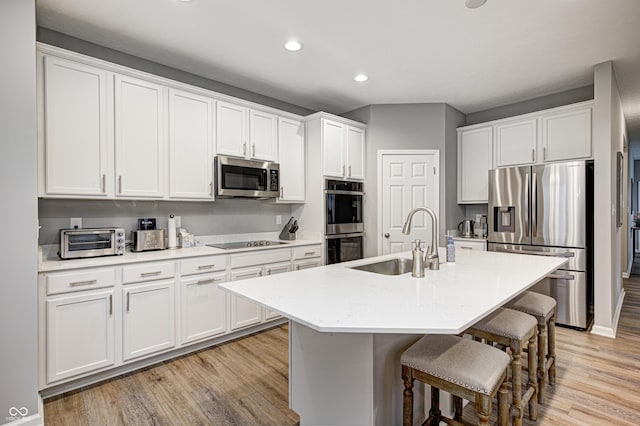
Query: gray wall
point(64, 41)
point(18, 253)
point(229, 216)
point(410, 126)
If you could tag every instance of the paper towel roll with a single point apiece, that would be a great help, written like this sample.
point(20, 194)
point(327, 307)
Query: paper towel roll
point(171, 232)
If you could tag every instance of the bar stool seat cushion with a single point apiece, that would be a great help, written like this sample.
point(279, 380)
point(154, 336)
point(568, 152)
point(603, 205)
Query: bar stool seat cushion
point(507, 323)
point(471, 365)
point(533, 303)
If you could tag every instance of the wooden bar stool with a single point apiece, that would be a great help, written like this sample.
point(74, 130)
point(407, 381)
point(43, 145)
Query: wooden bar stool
point(543, 308)
point(517, 331)
point(462, 367)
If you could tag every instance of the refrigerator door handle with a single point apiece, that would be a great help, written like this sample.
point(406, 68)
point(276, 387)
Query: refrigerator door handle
point(534, 205)
point(538, 253)
point(526, 204)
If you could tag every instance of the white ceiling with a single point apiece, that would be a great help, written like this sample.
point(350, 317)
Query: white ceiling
point(413, 50)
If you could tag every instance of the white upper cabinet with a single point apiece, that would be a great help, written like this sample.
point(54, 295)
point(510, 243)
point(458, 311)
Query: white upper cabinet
point(567, 135)
point(292, 160)
point(342, 150)
point(243, 132)
point(139, 138)
point(75, 148)
point(515, 142)
point(474, 163)
point(190, 146)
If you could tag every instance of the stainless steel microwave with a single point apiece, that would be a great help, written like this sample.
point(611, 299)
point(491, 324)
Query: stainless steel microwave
point(91, 242)
point(237, 177)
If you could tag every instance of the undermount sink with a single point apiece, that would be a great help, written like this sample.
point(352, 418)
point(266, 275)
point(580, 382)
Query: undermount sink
point(387, 267)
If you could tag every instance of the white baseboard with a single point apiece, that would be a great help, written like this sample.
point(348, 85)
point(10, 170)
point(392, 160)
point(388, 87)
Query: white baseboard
point(610, 331)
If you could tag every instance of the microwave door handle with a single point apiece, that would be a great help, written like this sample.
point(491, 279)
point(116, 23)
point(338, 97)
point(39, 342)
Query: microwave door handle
point(534, 205)
point(527, 182)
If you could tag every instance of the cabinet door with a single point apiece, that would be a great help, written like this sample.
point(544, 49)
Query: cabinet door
point(148, 319)
point(77, 150)
point(516, 143)
point(274, 269)
point(333, 149)
point(307, 264)
point(242, 312)
point(474, 163)
point(567, 135)
point(355, 153)
point(140, 138)
point(263, 135)
point(291, 159)
point(190, 146)
point(80, 334)
point(203, 307)
point(230, 130)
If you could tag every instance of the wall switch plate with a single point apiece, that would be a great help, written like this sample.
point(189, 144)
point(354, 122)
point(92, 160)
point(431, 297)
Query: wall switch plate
point(75, 223)
point(278, 220)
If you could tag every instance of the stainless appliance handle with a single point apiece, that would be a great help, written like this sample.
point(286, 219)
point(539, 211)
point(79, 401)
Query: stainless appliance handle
point(333, 237)
point(534, 205)
point(526, 204)
point(537, 253)
point(568, 277)
point(334, 191)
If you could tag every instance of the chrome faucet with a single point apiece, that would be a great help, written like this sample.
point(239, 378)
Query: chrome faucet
point(431, 257)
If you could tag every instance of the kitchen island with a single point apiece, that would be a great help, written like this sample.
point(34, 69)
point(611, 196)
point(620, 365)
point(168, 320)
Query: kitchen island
point(349, 327)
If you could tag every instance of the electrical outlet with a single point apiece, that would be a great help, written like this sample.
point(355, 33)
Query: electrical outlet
point(278, 220)
point(75, 223)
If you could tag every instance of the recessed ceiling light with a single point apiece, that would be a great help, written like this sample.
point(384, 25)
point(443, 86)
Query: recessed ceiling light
point(361, 78)
point(472, 4)
point(293, 46)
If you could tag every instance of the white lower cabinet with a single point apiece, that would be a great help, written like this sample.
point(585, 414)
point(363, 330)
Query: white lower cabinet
point(202, 307)
point(148, 324)
point(80, 333)
point(242, 312)
point(275, 269)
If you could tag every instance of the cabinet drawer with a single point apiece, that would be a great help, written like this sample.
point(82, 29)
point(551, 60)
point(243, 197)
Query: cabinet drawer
point(307, 252)
point(65, 282)
point(260, 258)
point(147, 272)
point(203, 264)
point(469, 245)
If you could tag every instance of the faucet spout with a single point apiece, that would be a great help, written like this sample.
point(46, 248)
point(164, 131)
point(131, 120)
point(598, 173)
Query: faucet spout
point(431, 257)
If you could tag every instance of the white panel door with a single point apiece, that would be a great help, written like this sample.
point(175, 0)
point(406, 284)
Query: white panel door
point(230, 130)
point(274, 269)
point(190, 146)
point(516, 143)
point(408, 181)
point(241, 311)
point(333, 149)
point(203, 307)
point(474, 163)
point(140, 138)
point(355, 153)
point(77, 148)
point(148, 318)
point(291, 159)
point(567, 135)
point(80, 334)
point(263, 135)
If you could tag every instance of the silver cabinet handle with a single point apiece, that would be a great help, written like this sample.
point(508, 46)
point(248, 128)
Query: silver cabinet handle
point(150, 274)
point(210, 188)
point(344, 173)
point(201, 267)
point(568, 277)
point(254, 150)
point(349, 170)
point(466, 248)
point(110, 304)
point(309, 253)
point(128, 300)
point(250, 275)
point(544, 153)
point(208, 280)
point(104, 182)
point(281, 191)
point(244, 148)
point(533, 154)
point(387, 235)
point(120, 184)
point(88, 282)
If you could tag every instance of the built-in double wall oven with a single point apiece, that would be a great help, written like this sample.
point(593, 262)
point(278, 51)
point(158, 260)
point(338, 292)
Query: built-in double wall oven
point(344, 225)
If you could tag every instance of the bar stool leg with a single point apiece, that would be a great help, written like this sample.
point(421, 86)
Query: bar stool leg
point(407, 402)
point(434, 412)
point(516, 374)
point(542, 351)
point(457, 408)
point(552, 350)
point(533, 376)
point(483, 408)
point(503, 405)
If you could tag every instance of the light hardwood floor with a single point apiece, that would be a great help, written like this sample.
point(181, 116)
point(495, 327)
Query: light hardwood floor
point(245, 382)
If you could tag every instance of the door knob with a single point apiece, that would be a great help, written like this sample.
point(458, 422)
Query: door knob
point(387, 235)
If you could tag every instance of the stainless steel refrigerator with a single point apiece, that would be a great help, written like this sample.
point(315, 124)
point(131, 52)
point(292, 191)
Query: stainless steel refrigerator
point(547, 210)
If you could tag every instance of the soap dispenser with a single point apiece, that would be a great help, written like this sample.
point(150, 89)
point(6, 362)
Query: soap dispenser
point(418, 260)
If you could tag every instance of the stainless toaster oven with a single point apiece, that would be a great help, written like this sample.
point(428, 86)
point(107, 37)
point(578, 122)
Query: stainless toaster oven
point(91, 242)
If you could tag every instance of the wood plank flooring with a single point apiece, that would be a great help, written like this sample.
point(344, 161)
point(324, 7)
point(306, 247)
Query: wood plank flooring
point(245, 382)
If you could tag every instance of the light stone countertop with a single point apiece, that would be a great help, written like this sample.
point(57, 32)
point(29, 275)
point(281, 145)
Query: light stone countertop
point(336, 298)
point(49, 261)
